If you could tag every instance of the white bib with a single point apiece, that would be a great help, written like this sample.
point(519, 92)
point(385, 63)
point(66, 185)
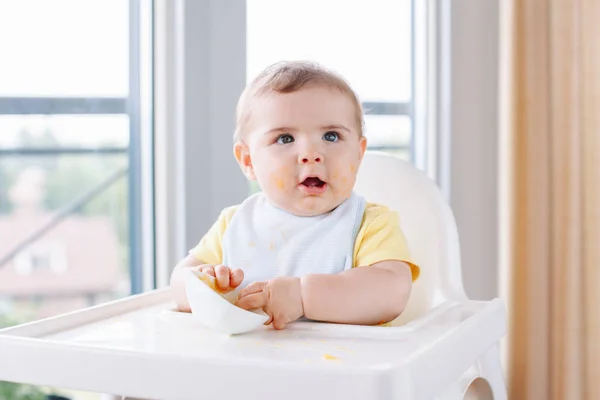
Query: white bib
point(265, 241)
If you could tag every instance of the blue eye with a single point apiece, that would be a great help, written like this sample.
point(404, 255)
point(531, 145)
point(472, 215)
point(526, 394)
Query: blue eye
point(331, 136)
point(285, 139)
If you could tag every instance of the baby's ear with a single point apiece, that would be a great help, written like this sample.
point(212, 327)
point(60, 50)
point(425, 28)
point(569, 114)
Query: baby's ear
point(242, 155)
point(363, 146)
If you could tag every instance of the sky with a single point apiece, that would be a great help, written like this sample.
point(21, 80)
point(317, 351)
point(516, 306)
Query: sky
point(61, 48)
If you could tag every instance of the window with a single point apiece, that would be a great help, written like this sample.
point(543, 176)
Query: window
point(75, 155)
point(369, 43)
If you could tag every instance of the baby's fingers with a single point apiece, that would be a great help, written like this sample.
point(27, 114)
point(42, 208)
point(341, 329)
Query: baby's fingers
point(208, 269)
point(280, 322)
point(236, 278)
point(253, 301)
point(222, 275)
point(254, 287)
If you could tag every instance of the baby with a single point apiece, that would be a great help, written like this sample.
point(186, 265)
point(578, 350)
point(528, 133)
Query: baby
point(307, 245)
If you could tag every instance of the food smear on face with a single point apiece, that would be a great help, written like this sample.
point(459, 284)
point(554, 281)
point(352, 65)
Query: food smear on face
point(279, 183)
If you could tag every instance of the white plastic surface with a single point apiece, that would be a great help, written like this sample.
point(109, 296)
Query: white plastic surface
point(140, 348)
point(216, 311)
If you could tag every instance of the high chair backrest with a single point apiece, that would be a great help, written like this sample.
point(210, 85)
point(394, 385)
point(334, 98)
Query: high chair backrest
point(427, 223)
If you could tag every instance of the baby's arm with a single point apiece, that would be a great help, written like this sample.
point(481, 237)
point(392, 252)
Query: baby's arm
point(366, 296)
point(379, 288)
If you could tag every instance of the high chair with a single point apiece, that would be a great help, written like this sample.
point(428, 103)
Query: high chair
point(444, 346)
point(469, 362)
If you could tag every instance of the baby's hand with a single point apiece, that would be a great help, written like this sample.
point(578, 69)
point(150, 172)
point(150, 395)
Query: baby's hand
point(280, 298)
point(227, 279)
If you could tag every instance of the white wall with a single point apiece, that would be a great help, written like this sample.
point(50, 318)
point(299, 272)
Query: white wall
point(474, 140)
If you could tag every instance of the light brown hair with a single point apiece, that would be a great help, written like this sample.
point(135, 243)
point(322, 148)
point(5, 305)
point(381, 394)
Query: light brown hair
point(288, 77)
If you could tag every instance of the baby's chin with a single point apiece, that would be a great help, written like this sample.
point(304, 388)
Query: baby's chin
point(312, 206)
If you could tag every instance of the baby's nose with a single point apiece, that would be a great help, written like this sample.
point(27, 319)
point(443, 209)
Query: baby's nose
point(310, 158)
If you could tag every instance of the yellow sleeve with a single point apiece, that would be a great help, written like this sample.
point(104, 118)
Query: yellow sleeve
point(380, 238)
point(210, 248)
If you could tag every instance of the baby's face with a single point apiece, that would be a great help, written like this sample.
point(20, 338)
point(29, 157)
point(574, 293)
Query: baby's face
point(304, 149)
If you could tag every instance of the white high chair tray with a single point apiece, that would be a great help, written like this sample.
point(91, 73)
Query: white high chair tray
point(140, 347)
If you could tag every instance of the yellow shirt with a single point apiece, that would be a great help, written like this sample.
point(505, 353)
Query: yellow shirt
point(379, 239)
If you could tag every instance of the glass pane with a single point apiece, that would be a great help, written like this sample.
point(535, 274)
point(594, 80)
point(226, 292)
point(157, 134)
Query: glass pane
point(369, 42)
point(389, 133)
point(82, 259)
point(64, 48)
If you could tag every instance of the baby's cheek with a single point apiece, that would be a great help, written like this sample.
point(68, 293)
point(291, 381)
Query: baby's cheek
point(279, 178)
point(346, 185)
point(349, 180)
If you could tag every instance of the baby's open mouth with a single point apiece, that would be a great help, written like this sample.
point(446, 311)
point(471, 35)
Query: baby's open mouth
point(311, 182)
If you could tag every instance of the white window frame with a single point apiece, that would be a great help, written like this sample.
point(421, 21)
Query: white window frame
point(431, 90)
